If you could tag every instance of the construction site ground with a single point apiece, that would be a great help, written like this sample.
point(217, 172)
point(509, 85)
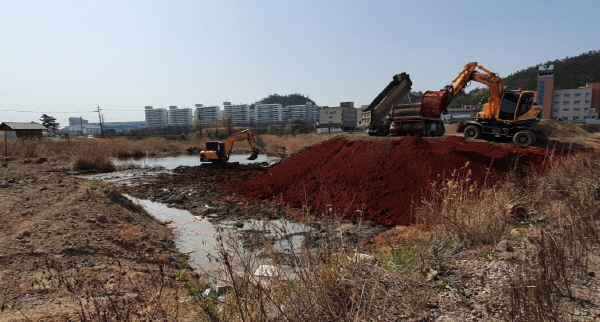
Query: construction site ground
point(53, 220)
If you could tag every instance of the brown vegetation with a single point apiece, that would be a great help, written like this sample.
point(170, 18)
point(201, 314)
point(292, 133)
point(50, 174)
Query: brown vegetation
point(525, 248)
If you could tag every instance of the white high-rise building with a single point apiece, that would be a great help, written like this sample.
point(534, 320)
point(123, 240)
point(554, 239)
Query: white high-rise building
point(306, 112)
point(181, 116)
point(268, 114)
point(241, 114)
point(207, 114)
point(156, 117)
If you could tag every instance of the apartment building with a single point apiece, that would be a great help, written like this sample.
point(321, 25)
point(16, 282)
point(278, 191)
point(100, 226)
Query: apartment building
point(307, 112)
point(265, 114)
point(573, 105)
point(156, 117)
point(207, 114)
point(241, 114)
point(181, 116)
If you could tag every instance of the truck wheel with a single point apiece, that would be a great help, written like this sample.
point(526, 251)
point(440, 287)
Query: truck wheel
point(472, 132)
point(524, 138)
point(440, 129)
point(382, 131)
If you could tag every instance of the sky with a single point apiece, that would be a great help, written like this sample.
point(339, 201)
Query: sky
point(66, 58)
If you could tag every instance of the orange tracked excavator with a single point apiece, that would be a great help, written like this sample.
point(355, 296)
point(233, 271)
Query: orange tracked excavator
point(217, 151)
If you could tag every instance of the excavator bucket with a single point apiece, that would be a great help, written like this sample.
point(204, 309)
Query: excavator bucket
point(254, 155)
point(434, 104)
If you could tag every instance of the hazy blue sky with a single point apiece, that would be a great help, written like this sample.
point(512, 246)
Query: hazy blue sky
point(69, 56)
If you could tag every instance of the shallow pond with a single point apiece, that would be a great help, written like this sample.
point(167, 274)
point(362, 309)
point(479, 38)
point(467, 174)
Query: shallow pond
point(193, 236)
point(187, 160)
point(198, 237)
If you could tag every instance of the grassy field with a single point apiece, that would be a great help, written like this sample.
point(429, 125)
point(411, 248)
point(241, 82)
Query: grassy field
point(93, 155)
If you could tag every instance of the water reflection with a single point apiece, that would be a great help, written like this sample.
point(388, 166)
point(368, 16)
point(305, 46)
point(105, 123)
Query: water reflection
point(187, 160)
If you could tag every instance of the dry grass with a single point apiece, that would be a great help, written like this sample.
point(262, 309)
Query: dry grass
point(318, 281)
point(71, 149)
point(286, 145)
point(558, 215)
point(314, 281)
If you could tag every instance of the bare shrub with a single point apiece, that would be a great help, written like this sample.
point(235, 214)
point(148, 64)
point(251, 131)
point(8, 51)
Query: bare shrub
point(459, 208)
point(152, 296)
point(93, 163)
point(130, 235)
point(312, 280)
point(557, 251)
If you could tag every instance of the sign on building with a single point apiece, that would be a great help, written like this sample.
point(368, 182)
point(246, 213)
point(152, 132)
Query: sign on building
point(546, 70)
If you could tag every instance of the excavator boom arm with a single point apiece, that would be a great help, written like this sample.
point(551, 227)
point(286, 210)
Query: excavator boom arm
point(434, 103)
point(240, 135)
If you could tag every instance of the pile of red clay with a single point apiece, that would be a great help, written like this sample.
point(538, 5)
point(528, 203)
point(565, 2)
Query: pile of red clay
point(383, 178)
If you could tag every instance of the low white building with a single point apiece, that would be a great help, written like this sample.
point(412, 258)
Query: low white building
point(573, 105)
point(344, 117)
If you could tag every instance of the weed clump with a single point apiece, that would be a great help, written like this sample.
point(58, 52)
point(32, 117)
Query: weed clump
point(93, 163)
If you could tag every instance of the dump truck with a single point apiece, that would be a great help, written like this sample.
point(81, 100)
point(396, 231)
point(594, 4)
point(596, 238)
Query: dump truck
point(405, 119)
point(218, 151)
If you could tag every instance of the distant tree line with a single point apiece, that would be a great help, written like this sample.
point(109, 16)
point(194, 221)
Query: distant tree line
point(287, 100)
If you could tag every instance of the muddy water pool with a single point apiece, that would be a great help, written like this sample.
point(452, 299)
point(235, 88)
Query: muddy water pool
point(186, 160)
point(198, 238)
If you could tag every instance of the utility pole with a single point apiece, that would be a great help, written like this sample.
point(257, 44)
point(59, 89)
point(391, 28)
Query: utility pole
point(100, 118)
point(5, 149)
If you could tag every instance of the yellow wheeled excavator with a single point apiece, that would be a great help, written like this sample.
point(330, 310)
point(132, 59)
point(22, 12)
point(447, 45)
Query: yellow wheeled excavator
point(507, 113)
point(218, 151)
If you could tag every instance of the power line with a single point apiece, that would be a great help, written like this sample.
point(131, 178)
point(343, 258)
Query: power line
point(18, 111)
point(72, 112)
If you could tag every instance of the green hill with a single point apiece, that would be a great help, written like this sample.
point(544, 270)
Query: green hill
point(570, 72)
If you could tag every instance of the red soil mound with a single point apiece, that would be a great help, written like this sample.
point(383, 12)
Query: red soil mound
point(383, 177)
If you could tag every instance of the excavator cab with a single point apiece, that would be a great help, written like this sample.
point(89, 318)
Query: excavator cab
point(214, 152)
point(518, 105)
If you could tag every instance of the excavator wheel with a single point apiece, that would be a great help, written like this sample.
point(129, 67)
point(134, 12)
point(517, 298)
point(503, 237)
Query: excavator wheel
point(472, 132)
point(524, 138)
